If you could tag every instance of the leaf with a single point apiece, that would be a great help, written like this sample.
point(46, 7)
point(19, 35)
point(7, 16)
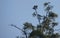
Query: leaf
point(45, 4)
point(34, 14)
point(28, 25)
point(48, 8)
point(35, 7)
point(52, 14)
point(39, 16)
point(54, 24)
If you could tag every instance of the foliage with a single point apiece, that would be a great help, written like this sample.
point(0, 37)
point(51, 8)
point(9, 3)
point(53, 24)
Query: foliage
point(45, 28)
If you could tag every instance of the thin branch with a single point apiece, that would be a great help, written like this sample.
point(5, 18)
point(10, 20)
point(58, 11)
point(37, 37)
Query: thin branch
point(19, 29)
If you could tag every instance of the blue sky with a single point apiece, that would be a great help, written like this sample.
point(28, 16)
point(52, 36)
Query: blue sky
point(19, 11)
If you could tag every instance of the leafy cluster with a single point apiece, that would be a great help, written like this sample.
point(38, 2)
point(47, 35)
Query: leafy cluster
point(44, 29)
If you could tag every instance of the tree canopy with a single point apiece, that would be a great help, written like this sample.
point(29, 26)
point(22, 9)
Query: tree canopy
point(45, 28)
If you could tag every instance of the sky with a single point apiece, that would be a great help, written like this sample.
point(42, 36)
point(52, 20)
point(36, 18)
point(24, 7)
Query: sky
point(18, 12)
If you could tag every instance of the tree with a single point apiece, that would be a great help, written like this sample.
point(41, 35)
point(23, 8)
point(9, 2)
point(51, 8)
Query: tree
point(45, 28)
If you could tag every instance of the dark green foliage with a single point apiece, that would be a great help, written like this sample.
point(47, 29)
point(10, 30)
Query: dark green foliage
point(52, 15)
point(45, 28)
point(35, 7)
point(28, 26)
point(45, 4)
